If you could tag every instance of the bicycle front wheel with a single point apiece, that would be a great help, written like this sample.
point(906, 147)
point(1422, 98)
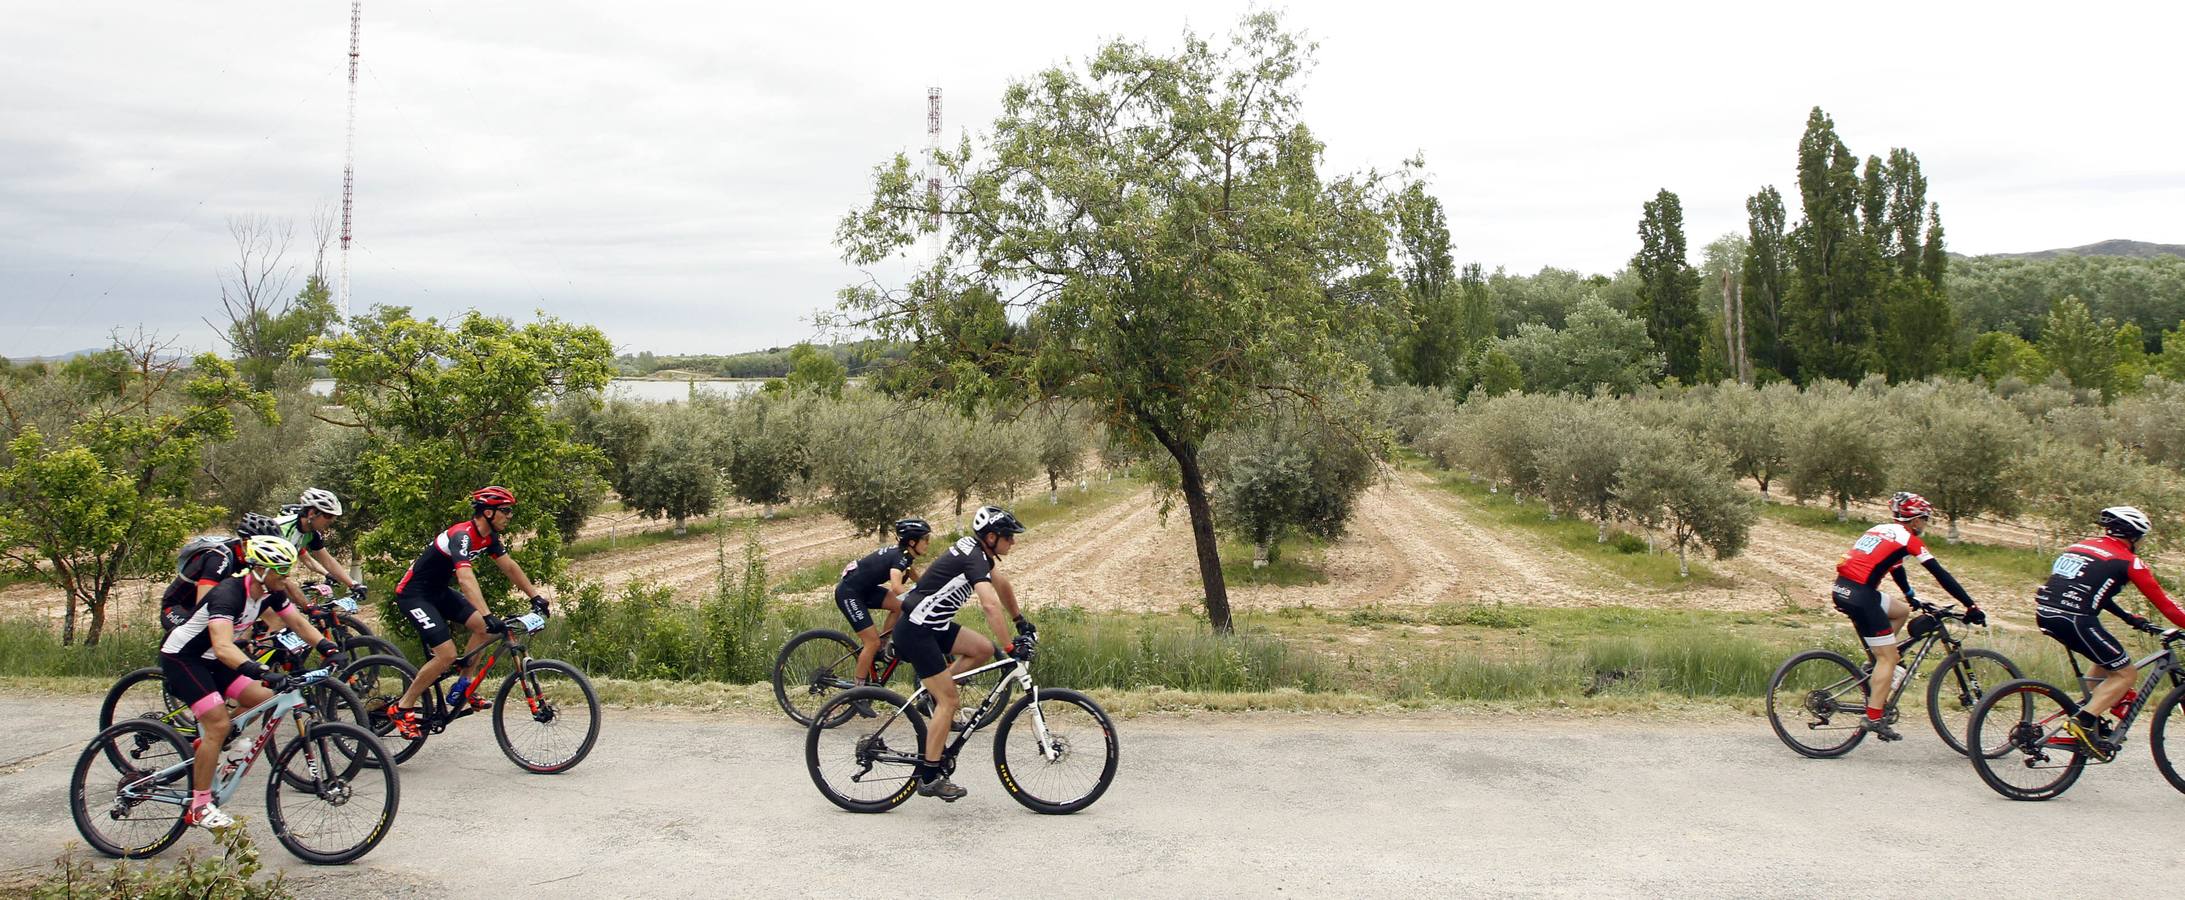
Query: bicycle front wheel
point(333, 818)
point(548, 725)
point(329, 701)
point(1055, 751)
point(2169, 714)
point(378, 682)
point(814, 666)
point(1958, 686)
point(364, 645)
point(131, 788)
point(2040, 759)
point(865, 761)
point(1817, 704)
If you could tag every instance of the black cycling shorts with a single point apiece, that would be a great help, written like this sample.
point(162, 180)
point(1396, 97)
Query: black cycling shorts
point(1868, 611)
point(197, 681)
point(2084, 635)
point(858, 608)
point(924, 648)
point(433, 616)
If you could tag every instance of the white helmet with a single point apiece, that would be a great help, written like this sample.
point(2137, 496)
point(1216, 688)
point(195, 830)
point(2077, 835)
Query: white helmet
point(322, 500)
point(2125, 522)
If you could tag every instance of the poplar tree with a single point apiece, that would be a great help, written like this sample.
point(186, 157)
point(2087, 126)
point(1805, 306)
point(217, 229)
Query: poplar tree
point(1766, 276)
point(1668, 286)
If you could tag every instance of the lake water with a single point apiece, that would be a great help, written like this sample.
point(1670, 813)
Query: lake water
point(643, 389)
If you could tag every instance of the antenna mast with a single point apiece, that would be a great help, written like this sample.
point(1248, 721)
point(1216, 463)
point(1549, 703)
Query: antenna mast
point(349, 154)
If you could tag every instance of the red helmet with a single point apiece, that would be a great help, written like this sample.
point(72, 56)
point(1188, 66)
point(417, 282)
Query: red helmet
point(492, 497)
point(1905, 506)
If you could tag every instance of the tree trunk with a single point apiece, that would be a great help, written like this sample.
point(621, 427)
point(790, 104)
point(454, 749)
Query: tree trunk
point(1954, 535)
point(68, 621)
point(1202, 533)
point(680, 528)
point(1843, 509)
point(1601, 535)
point(96, 603)
point(766, 511)
point(1259, 555)
point(1684, 569)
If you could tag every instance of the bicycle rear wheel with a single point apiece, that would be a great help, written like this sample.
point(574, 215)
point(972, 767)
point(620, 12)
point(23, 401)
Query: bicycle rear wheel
point(865, 764)
point(2170, 714)
point(556, 722)
point(131, 789)
point(2041, 759)
point(333, 818)
point(1817, 704)
point(1958, 686)
point(814, 666)
point(142, 694)
point(363, 645)
point(1060, 757)
point(378, 682)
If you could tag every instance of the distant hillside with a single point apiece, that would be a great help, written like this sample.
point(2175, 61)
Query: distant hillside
point(772, 362)
point(2136, 249)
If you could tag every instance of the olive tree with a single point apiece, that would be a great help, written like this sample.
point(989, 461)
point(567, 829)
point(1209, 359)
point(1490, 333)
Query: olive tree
point(1579, 470)
point(1292, 472)
point(1159, 222)
point(769, 443)
point(866, 461)
point(2066, 484)
point(1960, 452)
point(1063, 438)
point(979, 455)
point(1752, 428)
point(674, 476)
point(1837, 452)
point(1685, 490)
point(111, 496)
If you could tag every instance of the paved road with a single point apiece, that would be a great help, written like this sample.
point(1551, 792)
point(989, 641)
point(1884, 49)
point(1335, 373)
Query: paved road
point(681, 805)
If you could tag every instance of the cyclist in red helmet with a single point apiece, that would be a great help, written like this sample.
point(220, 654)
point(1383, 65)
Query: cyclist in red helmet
point(1880, 553)
point(427, 597)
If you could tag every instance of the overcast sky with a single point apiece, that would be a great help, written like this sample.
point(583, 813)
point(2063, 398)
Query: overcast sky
point(674, 173)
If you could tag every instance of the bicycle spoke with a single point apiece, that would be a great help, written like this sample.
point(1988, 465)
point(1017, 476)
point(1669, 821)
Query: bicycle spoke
point(2037, 757)
point(120, 804)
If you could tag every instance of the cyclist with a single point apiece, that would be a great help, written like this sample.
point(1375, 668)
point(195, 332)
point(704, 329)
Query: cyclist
point(930, 631)
point(315, 512)
point(426, 596)
point(204, 668)
point(201, 564)
point(1880, 553)
point(877, 581)
point(2084, 582)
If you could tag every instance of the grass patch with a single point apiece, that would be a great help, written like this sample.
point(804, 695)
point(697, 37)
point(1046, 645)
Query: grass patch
point(31, 647)
point(1297, 562)
point(1624, 554)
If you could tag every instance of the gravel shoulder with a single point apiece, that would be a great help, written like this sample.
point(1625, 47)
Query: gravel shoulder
point(683, 805)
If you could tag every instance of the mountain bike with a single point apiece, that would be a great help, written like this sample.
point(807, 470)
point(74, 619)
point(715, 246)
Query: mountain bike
point(1817, 699)
point(556, 718)
point(2042, 753)
point(330, 798)
point(142, 693)
point(1054, 750)
point(817, 664)
point(337, 619)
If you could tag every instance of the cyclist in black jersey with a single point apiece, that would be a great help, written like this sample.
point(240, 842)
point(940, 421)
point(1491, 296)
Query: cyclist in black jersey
point(2082, 585)
point(203, 668)
point(877, 581)
point(426, 597)
point(314, 514)
point(202, 563)
point(929, 631)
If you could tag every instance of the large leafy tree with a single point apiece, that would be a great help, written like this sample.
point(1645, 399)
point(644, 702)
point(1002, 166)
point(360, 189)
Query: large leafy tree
point(447, 409)
point(1160, 221)
point(1668, 287)
point(113, 495)
point(1767, 277)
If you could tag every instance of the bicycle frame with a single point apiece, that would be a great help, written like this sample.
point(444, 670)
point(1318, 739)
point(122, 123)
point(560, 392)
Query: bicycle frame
point(226, 779)
point(1018, 670)
point(443, 712)
point(1926, 645)
point(2158, 665)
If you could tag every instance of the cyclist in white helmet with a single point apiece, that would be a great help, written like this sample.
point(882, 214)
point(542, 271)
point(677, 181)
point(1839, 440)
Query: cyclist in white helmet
point(928, 630)
point(315, 513)
point(2082, 584)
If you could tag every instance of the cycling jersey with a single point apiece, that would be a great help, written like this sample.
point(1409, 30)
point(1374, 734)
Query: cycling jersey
point(305, 541)
point(452, 550)
point(2086, 578)
point(942, 590)
point(238, 600)
point(1880, 553)
point(866, 578)
point(209, 565)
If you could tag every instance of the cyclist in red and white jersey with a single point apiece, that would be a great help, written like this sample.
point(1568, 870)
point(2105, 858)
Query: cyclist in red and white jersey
point(428, 595)
point(2084, 582)
point(1878, 554)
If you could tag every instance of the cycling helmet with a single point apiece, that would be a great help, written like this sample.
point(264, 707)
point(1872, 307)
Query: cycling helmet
point(270, 551)
point(2125, 522)
point(492, 497)
point(912, 529)
point(255, 525)
point(996, 520)
point(322, 500)
point(1905, 506)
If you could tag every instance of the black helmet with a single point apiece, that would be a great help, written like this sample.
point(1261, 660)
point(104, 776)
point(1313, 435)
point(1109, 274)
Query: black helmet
point(912, 529)
point(2125, 522)
point(996, 520)
point(255, 525)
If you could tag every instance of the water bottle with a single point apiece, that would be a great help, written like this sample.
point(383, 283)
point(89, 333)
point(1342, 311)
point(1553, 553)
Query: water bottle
point(1897, 680)
point(2125, 705)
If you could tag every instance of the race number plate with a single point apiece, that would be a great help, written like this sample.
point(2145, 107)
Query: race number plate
point(532, 621)
point(292, 643)
point(346, 604)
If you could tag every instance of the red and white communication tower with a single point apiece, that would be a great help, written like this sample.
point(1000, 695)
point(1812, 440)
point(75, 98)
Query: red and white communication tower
point(933, 155)
point(349, 153)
